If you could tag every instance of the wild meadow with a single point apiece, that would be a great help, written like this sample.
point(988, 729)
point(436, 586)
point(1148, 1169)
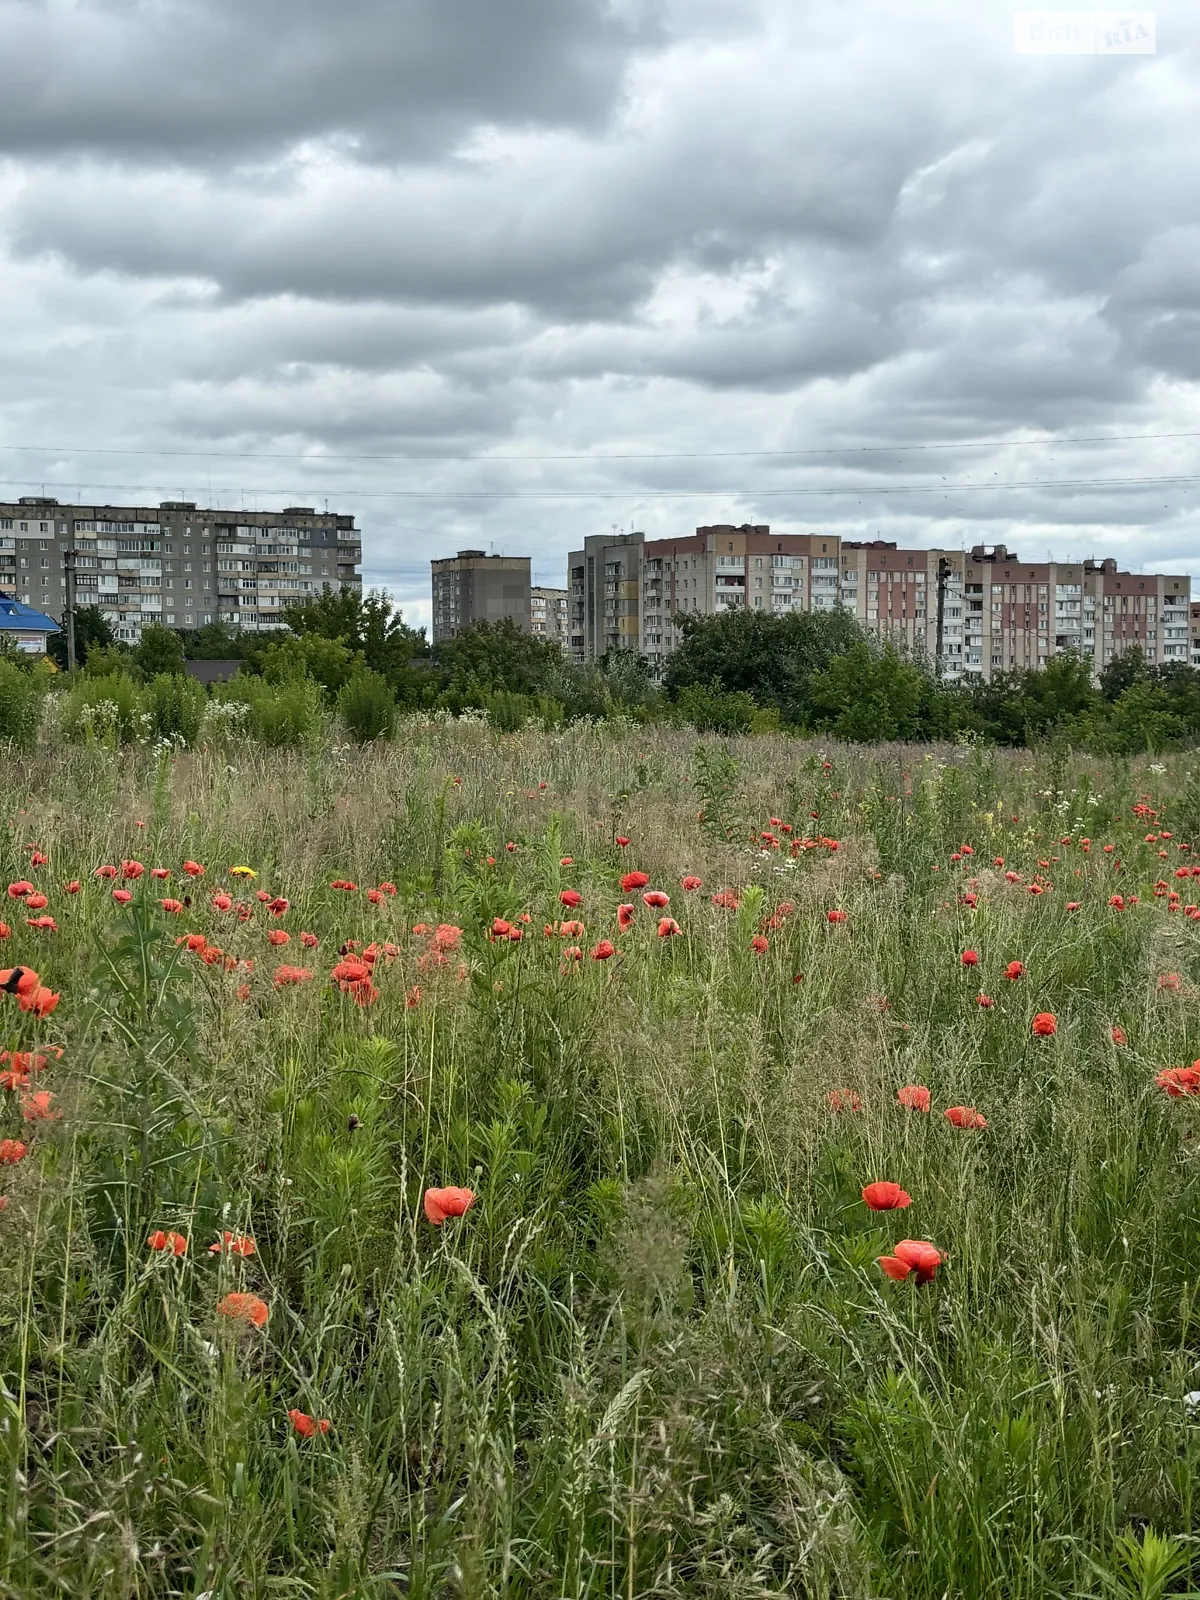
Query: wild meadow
point(388, 1212)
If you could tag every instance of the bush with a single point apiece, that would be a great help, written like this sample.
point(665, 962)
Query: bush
point(105, 710)
point(509, 713)
point(284, 714)
point(708, 709)
point(175, 706)
point(367, 707)
point(20, 703)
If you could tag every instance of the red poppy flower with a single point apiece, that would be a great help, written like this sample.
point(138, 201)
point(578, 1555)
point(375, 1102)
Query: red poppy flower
point(44, 924)
point(1045, 1025)
point(1170, 981)
point(1179, 1081)
point(233, 1244)
point(176, 1243)
point(571, 898)
point(913, 1097)
point(36, 902)
point(603, 950)
point(285, 977)
point(21, 981)
point(634, 880)
point(196, 941)
point(571, 930)
point(667, 927)
point(222, 902)
point(309, 941)
point(886, 1197)
point(12, 1151)
point(37, 859)
point(105, 872)
point(193, 869)
point(307, 1426)
point(278, 936)
point(656, 900)
point(247, 1308)
point(38, 1106)
point(501, 928)
point(984, 1002)
point(912, 1255)
point(73, 887)
point(375, 897)
point(843, 1100)
point(1073, 905)
point(1119, 1036)
point(41, 1001)
point(691, 882)
point(173, 906)
point(443, 1203)
point(759, 944)
point(837, 916)
point(624, 916)
point(1013, 971)
point(122, 896)
point(161, 873)
point(18, 890)
point(726, 899)
point(344, 884)
point(965, 1117)
point(970, 958)
point(132, 869)
point(413, 998)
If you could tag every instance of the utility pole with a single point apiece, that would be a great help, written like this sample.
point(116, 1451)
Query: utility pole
point(944, 570)
point(69, 611)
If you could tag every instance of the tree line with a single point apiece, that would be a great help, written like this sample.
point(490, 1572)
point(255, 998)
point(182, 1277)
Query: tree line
point(733, 673)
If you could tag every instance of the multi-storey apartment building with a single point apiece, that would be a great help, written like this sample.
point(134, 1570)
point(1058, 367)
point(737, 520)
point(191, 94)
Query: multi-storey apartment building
point(475, 587)
point(548, 614)
point(175, 563)
point(1019, 614)
point(980, 612)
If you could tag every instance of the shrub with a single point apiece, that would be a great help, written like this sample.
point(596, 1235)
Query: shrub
point(281, 714)
point(367, 707)
point(707, 708)
point(175, 706)
point(105, 710)
point(20, 703)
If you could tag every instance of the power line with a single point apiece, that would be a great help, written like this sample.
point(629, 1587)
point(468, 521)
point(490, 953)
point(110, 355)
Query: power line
point(860, 490)
point(657, 455)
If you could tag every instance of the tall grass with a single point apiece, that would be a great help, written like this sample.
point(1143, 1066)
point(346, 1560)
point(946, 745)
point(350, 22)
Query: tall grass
point(656, 1356)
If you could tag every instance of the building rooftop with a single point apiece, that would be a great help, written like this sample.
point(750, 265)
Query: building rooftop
point(16, 617)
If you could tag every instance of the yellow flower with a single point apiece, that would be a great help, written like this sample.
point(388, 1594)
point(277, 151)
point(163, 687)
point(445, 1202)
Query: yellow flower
point(242, 872)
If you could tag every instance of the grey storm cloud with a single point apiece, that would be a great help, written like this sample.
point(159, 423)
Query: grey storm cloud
point(251, 246)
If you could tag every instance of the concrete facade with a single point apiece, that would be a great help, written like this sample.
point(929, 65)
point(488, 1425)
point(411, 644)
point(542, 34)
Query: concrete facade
point(997, 612)
point(548, 610)
point(474, 587)
point(175, 563)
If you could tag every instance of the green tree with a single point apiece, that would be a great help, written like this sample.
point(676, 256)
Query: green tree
point(868, 696)
point(1121, 673)
point(160, 651)
point(215, 641)
point(497, 656)
point(769, 657)
point(310, 655)
point(371, 627)
point(91, 630)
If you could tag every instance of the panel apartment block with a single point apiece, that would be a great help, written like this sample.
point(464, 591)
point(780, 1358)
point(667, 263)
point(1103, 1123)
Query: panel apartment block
point(548, 611)
point(175, 563)
point(475, 587)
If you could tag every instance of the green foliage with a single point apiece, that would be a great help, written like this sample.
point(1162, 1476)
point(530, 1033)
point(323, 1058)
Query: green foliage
point(770, 658)
point(102, 709)
point(159, 651)
point(868, 696)
point(107, 661)
point(309, 655)
point(290, 713)
point(21, 693)
point(92, 630)
point(495, 656)
point(175, 706)
point(371, 629)
point(707, 708)
point(367, 706)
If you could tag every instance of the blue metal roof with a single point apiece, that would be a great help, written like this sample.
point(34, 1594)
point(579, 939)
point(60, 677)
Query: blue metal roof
point(18, 618)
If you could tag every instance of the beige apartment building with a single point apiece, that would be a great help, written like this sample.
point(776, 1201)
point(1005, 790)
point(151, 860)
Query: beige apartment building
point(548, 614)
point(175, 563)
point(474, 587)
point(996, 613)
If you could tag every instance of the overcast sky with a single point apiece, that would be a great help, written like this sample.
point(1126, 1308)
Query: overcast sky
point(244, 242)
